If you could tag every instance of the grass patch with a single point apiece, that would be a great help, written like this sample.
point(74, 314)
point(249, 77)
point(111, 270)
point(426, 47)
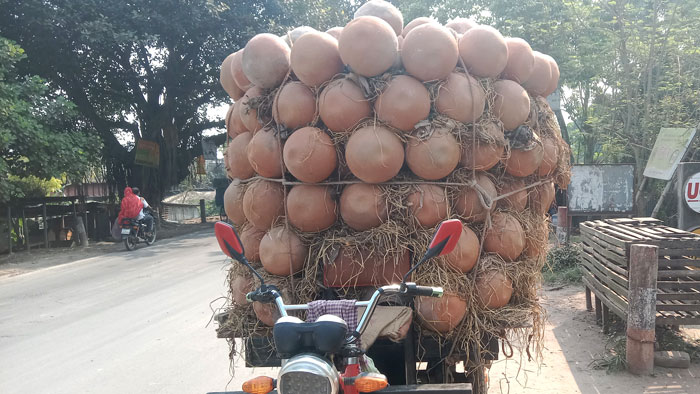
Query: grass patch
point(615, 357)
point(211, 208)
point(563, 265)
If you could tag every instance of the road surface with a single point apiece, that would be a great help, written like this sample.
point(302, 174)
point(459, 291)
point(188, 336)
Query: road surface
point(122, 323)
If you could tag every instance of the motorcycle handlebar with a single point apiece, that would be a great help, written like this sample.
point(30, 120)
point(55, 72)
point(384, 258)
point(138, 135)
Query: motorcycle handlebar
point(425, 291)
point(410, 289)
point(253, 296)
point(271, 294)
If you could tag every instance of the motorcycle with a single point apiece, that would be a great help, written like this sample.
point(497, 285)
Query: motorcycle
point(134, 232)
point(324, 357)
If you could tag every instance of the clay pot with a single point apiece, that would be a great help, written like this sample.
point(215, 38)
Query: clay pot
point(240, 287)
point(353, 268)
point(494, 290)
point(441, 314)
point(466, 253)
point(282, 252)
point(363, 206)
point(428, 204)
point(266, 313)
point(468, 202)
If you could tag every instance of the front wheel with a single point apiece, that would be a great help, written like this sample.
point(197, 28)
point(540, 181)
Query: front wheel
point(130, 242)
point(152, 238)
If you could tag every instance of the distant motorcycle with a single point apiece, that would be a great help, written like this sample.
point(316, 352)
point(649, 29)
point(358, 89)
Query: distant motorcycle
point(134, 232)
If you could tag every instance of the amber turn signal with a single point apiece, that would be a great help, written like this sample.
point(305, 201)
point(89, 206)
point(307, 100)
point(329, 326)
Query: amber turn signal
point(367, 383)
point(259, 385)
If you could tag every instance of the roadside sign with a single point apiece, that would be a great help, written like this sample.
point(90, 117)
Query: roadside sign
point(201, 165)
point(209, 149)
point(669, 149)
point(601, 189)
point(147, 153)
point(692, 192)
point(688, 217)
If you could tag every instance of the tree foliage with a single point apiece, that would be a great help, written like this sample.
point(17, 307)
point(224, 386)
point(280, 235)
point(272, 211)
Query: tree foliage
point(41, 139)
point(139, 69)
point(149, 68)
point(628, 67)
point(319, 14)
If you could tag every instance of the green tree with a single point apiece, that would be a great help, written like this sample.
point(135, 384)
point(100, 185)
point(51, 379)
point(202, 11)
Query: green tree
point(40, 137)
point(139, 69)
point(628, 67)
point(658, 75)
point(148, 69)
point(319, 14)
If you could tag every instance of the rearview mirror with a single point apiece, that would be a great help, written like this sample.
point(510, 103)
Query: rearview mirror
point(231, 245)
point(444, 241)
point(229, 242)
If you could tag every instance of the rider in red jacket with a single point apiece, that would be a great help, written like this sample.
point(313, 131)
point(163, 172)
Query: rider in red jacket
point(131, 205)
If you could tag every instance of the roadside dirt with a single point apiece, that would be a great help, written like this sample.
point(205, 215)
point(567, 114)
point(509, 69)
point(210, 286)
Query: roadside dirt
point(23, 262)
point(572, 341)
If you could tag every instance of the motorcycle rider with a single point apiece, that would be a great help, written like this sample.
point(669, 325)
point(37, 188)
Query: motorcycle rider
point(130, 207)
point(144, 216)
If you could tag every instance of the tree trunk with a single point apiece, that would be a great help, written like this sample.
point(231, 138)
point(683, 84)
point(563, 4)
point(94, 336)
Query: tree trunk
point(82, 234)
point(589, 138)
point(642, 197)
point(590, 142)
point(170, 165)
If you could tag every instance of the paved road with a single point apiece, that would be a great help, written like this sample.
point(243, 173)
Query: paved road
point(122, 323)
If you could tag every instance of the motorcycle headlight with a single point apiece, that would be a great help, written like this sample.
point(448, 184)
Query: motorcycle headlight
point(308, 373)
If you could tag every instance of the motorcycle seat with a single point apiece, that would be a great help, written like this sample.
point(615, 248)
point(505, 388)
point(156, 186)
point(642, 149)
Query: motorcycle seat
point(293, 335)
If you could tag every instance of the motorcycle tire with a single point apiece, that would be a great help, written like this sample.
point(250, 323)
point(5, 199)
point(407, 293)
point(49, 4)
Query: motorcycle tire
point(130, 242)
point(152, 239)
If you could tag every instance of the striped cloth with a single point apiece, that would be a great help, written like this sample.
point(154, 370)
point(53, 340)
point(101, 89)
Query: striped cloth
point(344, 309)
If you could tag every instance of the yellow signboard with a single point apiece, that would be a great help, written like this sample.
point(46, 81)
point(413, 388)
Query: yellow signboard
point(147, 153)
point(201, 165)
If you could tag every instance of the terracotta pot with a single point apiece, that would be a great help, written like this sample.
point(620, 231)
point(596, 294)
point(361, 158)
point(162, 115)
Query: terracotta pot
point(356, 269)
